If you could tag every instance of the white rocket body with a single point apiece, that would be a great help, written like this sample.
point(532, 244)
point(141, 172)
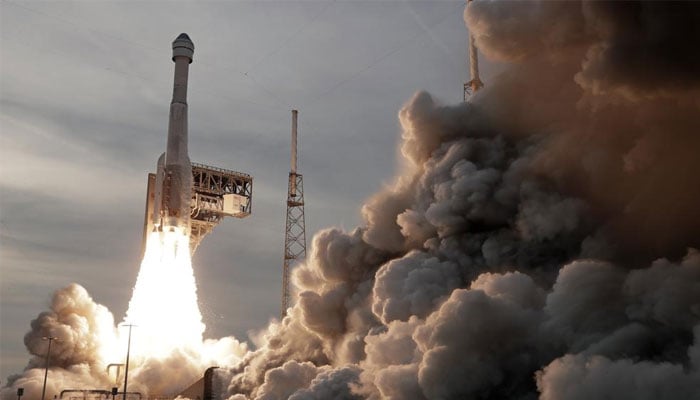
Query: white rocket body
point(173, 186)
point(475, 83)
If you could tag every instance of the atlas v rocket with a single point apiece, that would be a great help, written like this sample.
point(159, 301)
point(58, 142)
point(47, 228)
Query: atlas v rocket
point(184, 196)
point(475, 83)
point(173, 186)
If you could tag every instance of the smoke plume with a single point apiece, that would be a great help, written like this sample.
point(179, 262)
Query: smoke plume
point(540, 241)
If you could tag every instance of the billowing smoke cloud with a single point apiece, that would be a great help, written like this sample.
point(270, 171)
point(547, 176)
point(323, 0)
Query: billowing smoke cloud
point(613, 88)
point(88, 341)
point(86, 331)
point(540, 242)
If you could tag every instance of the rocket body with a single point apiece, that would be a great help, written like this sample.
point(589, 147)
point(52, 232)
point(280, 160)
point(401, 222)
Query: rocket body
point(173, 185)
point(475, 83)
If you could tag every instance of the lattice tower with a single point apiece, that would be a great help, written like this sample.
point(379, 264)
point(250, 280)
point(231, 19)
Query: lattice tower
point(295, 231)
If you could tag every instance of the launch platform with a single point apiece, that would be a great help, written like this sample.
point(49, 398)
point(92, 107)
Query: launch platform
point(216, 193)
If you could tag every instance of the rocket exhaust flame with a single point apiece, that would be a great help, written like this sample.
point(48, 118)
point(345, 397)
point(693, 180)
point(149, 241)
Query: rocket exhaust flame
point(167, 351)
point(164, 303)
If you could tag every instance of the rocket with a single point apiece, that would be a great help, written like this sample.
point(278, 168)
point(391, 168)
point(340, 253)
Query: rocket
point(172, 188)
point(186, 197)
point(475, 83)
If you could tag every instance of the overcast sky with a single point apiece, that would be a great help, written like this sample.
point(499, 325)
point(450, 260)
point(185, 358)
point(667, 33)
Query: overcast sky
point(85, 89)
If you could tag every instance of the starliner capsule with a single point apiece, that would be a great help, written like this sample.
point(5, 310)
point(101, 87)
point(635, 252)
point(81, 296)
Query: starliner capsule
point(173, 185)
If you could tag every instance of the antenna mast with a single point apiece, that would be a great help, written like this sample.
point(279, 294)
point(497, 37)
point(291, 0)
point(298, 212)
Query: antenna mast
point(475, 83)
point(295, 232)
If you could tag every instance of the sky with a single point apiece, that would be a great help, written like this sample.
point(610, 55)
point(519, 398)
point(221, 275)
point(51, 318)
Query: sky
point(85, 89)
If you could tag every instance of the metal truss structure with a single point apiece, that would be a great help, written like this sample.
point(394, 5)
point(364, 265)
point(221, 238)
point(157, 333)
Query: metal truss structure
point(295, 231)
point(295, 235)
point(217, 193)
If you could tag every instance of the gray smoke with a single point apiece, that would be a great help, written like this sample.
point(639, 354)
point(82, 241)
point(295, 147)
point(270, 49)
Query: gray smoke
point(540, 241)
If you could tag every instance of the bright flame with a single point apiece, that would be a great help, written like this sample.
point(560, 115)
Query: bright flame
point(164, 304)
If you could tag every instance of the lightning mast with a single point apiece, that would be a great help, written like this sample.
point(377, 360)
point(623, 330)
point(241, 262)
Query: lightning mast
point(295, 232)
point(475, 83)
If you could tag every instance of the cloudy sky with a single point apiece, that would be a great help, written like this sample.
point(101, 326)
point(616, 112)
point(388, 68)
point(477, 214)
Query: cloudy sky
point(84, 97)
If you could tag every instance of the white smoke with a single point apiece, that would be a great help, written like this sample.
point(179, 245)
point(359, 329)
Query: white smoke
point(167, 352)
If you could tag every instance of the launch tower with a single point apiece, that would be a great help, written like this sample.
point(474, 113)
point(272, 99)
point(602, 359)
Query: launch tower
point(295, 231)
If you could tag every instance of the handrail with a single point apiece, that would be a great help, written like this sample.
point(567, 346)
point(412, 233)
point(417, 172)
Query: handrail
point(226, 171)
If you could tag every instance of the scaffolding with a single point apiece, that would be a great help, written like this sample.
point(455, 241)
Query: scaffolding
point(217, 193)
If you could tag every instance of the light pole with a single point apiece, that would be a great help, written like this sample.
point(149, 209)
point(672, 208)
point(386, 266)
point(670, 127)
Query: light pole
point(46, 372)
point(128, 350)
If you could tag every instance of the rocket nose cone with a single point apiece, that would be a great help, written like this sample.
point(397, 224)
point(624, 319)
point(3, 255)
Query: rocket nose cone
point(183, 46)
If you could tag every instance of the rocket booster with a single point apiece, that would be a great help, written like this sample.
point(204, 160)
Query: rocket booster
point(187, 197)
point(475, 83)
point(173, 185)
